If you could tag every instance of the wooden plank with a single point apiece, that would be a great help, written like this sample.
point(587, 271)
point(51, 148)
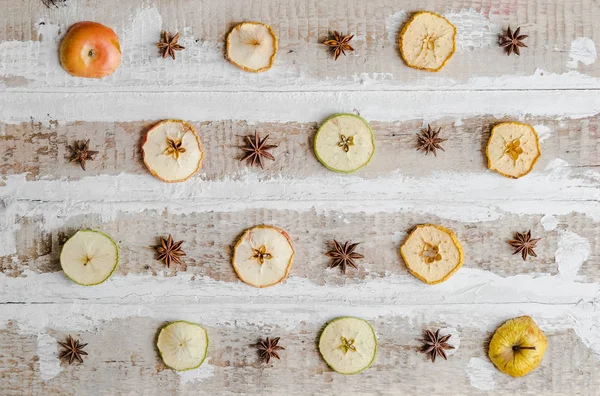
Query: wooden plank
point(560, 33)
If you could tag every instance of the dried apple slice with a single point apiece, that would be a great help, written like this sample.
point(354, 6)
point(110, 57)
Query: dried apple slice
point(252, 46)
point(263, 256)
point(182, 345)
point(348, 345)
point(432, 253)
point(513, 149)
point(172, 151)
point(89, 257)
point(427, 41)
point(344, 143)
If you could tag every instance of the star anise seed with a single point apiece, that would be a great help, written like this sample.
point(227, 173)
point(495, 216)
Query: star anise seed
point(268, 348)
point(73, 350)
point(168, 45)
point(524, 244)
point(256, 149)
point(434, 345)
point(81, 152)
point(339, 44)
point(429, 141)
point(512, 41)
point(169, 251)
point(343, 255)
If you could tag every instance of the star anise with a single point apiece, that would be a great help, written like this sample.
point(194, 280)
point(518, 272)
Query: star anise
point(168, 45)
point(268, 348)
point(256, 149)
point(73, 350)
point(343, 256)
point(524, 244)
point(435, 346)
point(512, 41)
point(339, 44)
point(81, 152)
point(169, 251)
point(429, 141)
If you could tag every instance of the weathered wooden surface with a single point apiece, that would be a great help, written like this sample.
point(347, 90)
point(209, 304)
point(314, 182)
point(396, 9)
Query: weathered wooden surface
point(44, 199)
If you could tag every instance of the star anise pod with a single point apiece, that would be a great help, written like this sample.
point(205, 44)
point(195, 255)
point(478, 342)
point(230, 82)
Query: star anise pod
point(512, 41)
point(343, 255)
point(524, 244)
point(81, 152)
point(168, 45)
point(429, 141)
point(268, 348)
point(169, 251)
point(73, 350)
point(435, 346)
point(256, 149)
point(339, 44)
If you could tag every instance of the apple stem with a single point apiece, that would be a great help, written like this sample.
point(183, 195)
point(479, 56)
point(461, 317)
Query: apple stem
point(518, 347)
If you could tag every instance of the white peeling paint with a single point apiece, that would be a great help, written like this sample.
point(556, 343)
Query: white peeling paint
point(47, 352)
point(393, 24)
point(549, 222)
point(582, 50)
point(474, 30)
point(481, 374)
point(573, 250)
point(198, 375)
point(543, 132)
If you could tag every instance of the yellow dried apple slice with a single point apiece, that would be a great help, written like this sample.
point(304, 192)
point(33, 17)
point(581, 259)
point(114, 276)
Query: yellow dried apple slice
point(348, 345)
point(182, 345)
point(344, 143)
point(427, 41)
point(172, 151)
point(252, 46)
point(432, 253)
point(513, 149)
point(89, 257)
point(263, 256)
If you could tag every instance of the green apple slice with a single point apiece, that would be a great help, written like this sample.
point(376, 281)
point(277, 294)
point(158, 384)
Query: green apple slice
point(344, 143)
point(182, 345)
point(89, 257)
point(348, 345)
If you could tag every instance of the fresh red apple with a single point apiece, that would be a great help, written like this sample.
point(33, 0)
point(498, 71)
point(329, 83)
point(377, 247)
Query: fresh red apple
point(90, 49)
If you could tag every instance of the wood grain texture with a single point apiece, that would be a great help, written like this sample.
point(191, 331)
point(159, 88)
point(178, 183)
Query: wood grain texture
point(44, 199)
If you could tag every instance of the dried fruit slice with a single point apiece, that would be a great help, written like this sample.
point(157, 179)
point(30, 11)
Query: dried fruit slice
point(513, 149)
point(427, 41)
point(172, 151)
point(344, 143)
point(89, 257)
point(182, 345)
point(432, 253)
point(518, 346)
point(252, 46)
point(263, 256)
point(348, 345)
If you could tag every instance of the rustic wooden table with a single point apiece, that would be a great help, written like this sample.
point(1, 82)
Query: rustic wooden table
point(554, 85)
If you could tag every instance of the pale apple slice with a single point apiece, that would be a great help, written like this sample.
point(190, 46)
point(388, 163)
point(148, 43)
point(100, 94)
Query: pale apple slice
point(182, 345)
point(89, 257)
point(172, 151)
point(432, 253)
point(263, 256)
point(427, 41)
point(513, 149)
point(348, 345)
point(252, 46)
point(344, 143)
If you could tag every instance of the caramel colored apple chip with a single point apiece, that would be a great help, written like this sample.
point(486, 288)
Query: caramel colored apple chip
point(172, 151)
point(252, 46)
point(432, 253)
point(513, 149)
point(427, 41)
point(263, 256)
